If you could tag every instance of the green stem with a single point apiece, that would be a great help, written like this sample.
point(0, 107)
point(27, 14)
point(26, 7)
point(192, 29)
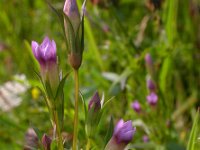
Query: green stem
point(58, 131)
point(76, 110)
point(88, 144)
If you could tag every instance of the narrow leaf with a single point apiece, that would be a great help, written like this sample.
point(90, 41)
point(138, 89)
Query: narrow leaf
point(109, 132)
point(193, 134)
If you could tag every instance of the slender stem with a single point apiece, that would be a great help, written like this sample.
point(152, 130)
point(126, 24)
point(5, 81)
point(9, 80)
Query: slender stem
point(76, 110)
point(58, 131)
point(88, 144)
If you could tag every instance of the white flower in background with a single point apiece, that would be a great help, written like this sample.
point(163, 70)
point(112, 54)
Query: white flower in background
point(10, 92)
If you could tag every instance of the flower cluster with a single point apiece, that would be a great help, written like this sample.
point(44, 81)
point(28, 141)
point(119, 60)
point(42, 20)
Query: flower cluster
point(53, 84)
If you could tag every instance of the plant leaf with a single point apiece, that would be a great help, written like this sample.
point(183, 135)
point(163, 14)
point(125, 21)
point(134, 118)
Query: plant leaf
point(109, 132)
point(193, 134)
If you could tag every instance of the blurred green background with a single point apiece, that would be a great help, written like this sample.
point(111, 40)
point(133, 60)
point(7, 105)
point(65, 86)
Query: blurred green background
point(118, 34)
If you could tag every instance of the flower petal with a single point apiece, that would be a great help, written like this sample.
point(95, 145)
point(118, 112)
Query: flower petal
point(34, 46)
point(118, 126)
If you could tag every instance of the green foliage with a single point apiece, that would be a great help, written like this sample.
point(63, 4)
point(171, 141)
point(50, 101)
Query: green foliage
point(118, 34)
point(193, 143)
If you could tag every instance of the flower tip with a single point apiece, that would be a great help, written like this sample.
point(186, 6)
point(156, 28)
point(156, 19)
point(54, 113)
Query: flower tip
point(46, 141)
point(95, 102)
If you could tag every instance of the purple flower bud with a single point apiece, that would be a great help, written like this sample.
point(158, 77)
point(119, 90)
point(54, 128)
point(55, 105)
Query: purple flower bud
point(71, 10)
point(145, 139)
point(151, 85)
point(123, 134)
point(152, 98)
point(149, 63)
point(46, 142)
point(136, 106)
point(95, 102)
point(148, 59)
point(45, 53)
point(124, 131)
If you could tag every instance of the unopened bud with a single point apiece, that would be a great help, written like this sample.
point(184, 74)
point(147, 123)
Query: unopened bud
point(95, 102)
point(75, 60)
point(123, 134)
point(71, 10)
point(46, 142)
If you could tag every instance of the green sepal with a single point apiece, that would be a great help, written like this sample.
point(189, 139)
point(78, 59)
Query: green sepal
point(70, 34)
point(109, 132)
point(78, 41)
point(60, 17)
point(84, 105)
point(80, 38)
point(40, 79)
point(106, 103)
point(92, 122)
point(59, 101)
point(82, 35)
point(61, 86)
point(49, 92)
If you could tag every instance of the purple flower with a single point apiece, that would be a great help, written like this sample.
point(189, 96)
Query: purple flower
point(136, 106)
point(148, 59)
point(152, 98)
point(45, 53)
point(151, 85)
point(145, 139)
point(123, 134)
point(46, 142)
point(71, 11)
point(95, 102)
point(124, 131)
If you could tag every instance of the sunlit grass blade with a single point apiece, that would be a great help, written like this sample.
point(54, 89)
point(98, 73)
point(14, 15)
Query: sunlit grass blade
point(192, 143)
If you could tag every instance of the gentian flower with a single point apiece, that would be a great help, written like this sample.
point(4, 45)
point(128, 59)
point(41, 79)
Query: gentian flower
point(46, 142)
point(136, 106)
point(123, 134)
point(45, 54)
point(74, 32)
point(152, 99)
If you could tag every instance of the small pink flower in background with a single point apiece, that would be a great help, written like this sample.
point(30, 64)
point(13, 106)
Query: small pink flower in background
point(136, 106)
point(148, 59)
point(152, 99)
point(145, 138)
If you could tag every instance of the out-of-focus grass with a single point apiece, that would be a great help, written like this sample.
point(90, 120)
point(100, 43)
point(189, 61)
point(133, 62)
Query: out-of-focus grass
point(118, 34)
